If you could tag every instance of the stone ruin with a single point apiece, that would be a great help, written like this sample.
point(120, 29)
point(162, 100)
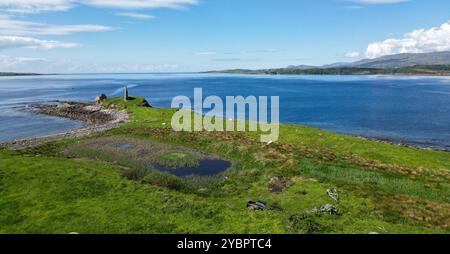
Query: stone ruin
point(100, 99)
point(125, 94)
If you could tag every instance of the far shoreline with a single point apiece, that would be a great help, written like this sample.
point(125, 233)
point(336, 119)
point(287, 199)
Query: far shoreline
point(399, 75)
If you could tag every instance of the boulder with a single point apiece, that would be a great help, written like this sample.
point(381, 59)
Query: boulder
point(145, 104)
point(326, 209)
point(255, 206)
point(333, 194)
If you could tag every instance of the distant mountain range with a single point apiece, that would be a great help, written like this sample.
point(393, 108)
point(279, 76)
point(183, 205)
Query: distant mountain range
point(434, 64)
point(389, 62)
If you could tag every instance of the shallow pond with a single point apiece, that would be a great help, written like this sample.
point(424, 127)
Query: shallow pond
point(205, 168)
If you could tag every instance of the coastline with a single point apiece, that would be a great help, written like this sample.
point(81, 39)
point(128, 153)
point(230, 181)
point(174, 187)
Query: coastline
point(399, 143)
point(94, 118)
point(101, 171)
point(331, 74)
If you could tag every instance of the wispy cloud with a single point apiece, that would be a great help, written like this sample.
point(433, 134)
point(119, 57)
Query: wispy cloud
point(37, 6)
point(44, 65)
point(368, 2)
point(10, 26)
point(354, 7)
point(359, 4)
point(134, 15)
point(8, 63)
point(352, 54)
point(32, 43)
point(418, 41)
point(140, 4)
point(206, 53)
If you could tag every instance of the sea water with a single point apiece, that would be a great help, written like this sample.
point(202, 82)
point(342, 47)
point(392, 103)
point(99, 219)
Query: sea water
point(409, 110)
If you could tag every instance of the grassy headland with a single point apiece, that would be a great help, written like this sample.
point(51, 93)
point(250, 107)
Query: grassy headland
point(74, 185)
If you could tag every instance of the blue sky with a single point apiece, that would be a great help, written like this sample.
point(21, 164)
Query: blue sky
point(64, 36)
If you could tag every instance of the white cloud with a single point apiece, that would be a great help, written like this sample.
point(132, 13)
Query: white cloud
point(32, 43)
point(418, 41)
point(37, 6)
point(140, 4)
point(10, 26)
point(135, 15)
point(352, 54)
point(358, 3)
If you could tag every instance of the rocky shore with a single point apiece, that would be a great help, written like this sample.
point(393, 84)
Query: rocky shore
point(89, 114)
point(95, 119)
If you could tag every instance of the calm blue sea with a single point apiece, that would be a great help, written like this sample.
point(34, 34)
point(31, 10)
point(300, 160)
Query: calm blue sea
point(411, 110)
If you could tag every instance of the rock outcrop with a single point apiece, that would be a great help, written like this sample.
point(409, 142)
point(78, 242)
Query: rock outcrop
point(144, 104)
point(87, 113)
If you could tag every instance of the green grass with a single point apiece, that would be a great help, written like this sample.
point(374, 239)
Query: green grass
point(319, 141)
point(383, 188)
point(178, 160)
point(343, 145)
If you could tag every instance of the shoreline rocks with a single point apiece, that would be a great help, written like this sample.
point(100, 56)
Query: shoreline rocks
point(89, 114)
point(94, 118)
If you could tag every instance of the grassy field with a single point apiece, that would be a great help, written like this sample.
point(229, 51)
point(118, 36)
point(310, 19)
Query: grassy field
point(75, 186)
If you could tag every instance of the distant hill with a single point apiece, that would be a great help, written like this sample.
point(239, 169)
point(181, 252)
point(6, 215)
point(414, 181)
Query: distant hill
point(390, 61)
point(7, 74)
point(429, 70)
point(336, 65)
point(404, 60)
point(437, 64)
point(301, 67)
